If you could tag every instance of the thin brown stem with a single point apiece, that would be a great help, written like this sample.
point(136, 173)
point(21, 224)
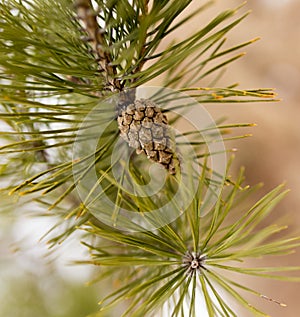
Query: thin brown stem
point(86, 14)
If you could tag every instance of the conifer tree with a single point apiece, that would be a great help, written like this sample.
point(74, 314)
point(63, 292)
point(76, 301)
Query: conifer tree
point(88, 139)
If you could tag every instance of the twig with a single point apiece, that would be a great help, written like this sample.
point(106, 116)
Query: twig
point(86, 13)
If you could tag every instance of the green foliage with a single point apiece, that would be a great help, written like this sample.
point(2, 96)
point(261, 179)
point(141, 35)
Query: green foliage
point(149, 265)
point(62, 63)
point(48, 58)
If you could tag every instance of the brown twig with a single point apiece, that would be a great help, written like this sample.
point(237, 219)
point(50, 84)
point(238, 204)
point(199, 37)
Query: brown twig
point(86, 14)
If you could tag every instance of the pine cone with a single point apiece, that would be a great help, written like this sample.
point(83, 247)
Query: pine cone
point(144, 127)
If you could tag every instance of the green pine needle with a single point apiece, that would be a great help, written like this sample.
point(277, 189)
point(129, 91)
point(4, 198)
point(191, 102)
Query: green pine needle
point(60, 61)
point(215, 236)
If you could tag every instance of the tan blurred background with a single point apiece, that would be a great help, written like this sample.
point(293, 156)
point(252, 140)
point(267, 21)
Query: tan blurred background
point(272, 154)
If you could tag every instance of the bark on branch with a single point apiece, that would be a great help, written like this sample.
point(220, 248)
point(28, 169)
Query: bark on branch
point(87, 15)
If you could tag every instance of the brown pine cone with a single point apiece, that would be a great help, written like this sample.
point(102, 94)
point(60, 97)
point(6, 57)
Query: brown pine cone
point(144, 127)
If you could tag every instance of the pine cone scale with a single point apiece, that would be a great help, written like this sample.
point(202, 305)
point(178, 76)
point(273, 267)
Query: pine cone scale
point(144, 127)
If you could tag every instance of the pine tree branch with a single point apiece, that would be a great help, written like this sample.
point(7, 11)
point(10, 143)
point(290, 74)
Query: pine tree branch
point(51, 154)
point(86, 14)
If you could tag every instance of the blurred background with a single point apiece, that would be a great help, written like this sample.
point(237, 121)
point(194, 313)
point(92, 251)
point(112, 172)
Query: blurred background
point(272, 154)
point(35, 283)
